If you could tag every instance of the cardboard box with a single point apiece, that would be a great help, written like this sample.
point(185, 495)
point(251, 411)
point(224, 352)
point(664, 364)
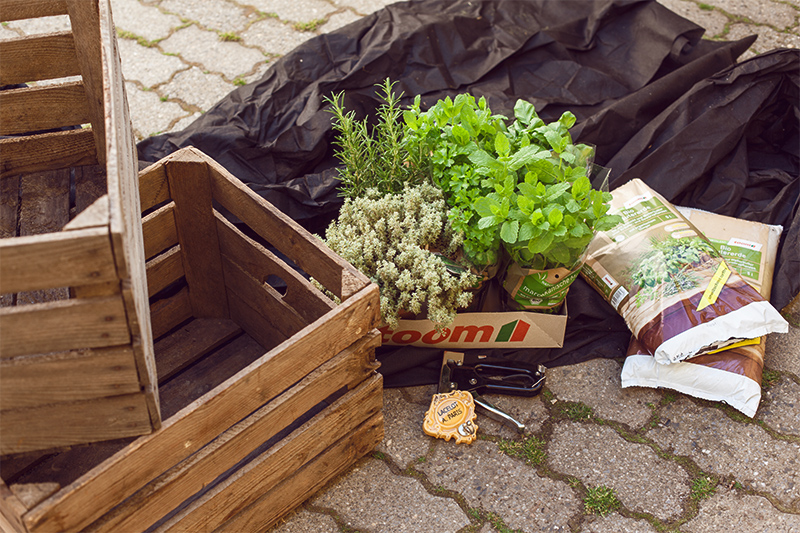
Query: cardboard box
point(514, 329)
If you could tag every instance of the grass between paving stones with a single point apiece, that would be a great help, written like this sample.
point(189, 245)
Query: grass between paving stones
point(703, 487)
point(311, 25)
point(600, 500)
point(530, 449)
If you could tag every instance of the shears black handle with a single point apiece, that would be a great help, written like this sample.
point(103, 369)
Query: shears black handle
point(496, 379)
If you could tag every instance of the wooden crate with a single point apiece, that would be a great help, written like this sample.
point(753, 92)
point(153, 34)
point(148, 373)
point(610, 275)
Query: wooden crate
point(268, 389)
point(76, 350)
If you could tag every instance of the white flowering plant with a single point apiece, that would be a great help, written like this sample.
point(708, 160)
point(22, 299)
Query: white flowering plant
point(391, 238)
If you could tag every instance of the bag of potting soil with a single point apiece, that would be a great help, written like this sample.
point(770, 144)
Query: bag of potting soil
point(676, 293)
point(732, 375)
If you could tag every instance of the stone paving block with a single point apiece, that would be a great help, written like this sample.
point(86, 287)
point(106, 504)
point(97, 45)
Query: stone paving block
point(294, 10)
point(775, 14)
point(721, 446)
point(768, 39)
point(211, 14)
point(596, 383)
point(338, 20)
point(401, 506)
point(273, 36)
point(185, 121)
point(597, 455)
point(781, 411)
point(152, 115)
point(528, 411)
point(494, 482)
point(782, 351)
point(143, 20)
point(148, 66)
point(615, 523)
point(404, 440)
point(364, 7)
point(205, 48)
point(197, 88)
point(303, 521)
point(711, 20)
point(41, 25)
point(744, 512)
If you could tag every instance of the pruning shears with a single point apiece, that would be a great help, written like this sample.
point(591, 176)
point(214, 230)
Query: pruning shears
point(480, 379)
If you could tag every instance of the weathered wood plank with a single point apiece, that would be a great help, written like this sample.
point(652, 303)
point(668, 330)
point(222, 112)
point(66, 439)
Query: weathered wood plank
point(29, 9)
point(164, 270)
point(169, 313)
point(85, 21)
point(67, 376)
point(66, 424)
point(42, 108)
point(9, 206)
point(261, 263)
point(263, 299)
point(32, 493)
point(197, 232)
point(79, 504)
point(153, 186)
point(310, 254)
point(60, 259)
point(286, 459)
point(62, 325)
point(90, 184)
point(159, 230)
point(191, 342)
point(255, 324)
point(47, 151)
point(94, 216)
point(35, 58)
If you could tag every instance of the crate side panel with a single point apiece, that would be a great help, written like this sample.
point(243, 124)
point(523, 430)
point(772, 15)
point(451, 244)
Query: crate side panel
point(47, 151)
point(284, 459)
point(168, 491)
point(28, 9)
point(32, 109)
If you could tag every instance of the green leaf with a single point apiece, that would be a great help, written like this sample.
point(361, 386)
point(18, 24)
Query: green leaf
point(524, 111)
point(488, 222)
point(483, 159)
point(607, 222)
point(410, 119)
point(487, 205)
point(527, 231)
point(541, 243)
point(560, 254)
point(555, 191)
point(461, 135)
point(573, 206)
point(509, 231)
point(580, 187)
point(525, 156)
point(501, 144)
point(567, 119)
point(555, 217)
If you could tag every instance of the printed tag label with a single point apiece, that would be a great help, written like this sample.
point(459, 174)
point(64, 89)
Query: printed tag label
point(715, 286)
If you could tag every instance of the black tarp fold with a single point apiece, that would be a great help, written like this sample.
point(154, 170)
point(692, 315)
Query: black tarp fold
point(657, 101)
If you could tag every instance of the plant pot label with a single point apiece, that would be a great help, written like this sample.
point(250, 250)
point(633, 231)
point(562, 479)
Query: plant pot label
point(539, 289)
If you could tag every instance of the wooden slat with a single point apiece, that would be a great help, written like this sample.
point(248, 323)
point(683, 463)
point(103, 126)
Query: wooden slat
point(11, 511)
point(32, 493)
point(82, 502)
point(94, 216)
point(36, 58)
point(259, 262)
point(62, 325)
point(232, 497)
point(123, 190)
point(191, 342)
point(55, 425)
point(197, 232)
point(254, 323)
point(166, 492)
point(310, 254)
point(159, 230)
point(67, 376)
point(170, 312)
point(9, 207)
point(47, 151)
point(263, 299)
point(60, 259)
point(85, 21)
point(90, 184)
point(42, 108)
point(164, 270)
point(153, 186)
point(28, 9)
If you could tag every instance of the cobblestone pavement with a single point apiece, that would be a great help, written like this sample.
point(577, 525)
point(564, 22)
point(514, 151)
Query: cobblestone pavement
point(671, 462)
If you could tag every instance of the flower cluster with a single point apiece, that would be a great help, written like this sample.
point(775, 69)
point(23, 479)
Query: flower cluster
point(396, 239)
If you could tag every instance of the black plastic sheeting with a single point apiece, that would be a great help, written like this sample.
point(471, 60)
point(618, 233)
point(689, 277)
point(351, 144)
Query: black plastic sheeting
point(657, 101)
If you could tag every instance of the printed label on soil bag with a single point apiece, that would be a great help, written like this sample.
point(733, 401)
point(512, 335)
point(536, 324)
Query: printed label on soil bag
point(743, 256)
point(539, 289)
